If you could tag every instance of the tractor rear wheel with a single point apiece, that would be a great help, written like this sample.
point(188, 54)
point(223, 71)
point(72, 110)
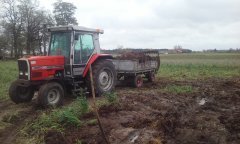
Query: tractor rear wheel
point(104, 77)
point(138, 81)
point(20, 94)
point(50, 94)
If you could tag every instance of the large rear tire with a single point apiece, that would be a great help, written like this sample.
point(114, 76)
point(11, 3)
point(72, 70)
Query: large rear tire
point(50, 94)
point(20, 94)
point(104, 77)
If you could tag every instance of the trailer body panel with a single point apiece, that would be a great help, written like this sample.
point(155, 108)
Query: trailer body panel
point(134, 66)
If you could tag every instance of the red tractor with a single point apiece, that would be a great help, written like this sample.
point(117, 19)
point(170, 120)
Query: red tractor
point(71, 51)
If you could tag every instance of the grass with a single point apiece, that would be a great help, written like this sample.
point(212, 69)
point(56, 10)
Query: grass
point(200, 65)
point(8, 73)
point(202, 58)
point(60, 118)
point(179, 89)
point(195, 71)
point(78, 141)
point(111, 97)
point(92, 122)
point(11, 117)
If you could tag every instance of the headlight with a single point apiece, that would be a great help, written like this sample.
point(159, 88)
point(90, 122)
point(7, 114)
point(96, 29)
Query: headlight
point(20, 73)
point(26, 73)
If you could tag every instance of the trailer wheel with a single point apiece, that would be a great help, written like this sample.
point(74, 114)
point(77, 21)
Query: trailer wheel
point(20, 94)
point(151, 77)
point(138, 81)
point(50, 94)
point(104, 77)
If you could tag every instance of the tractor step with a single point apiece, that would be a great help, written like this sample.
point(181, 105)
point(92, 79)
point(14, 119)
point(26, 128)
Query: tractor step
point(77, 89)
point(79, 92)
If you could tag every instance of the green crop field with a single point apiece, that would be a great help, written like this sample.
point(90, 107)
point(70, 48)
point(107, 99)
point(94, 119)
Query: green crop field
point(200, 65)
point(173, 66)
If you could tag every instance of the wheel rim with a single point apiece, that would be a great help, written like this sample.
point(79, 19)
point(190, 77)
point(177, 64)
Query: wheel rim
point(139, 83)
point(53, 96)
point(105, 79)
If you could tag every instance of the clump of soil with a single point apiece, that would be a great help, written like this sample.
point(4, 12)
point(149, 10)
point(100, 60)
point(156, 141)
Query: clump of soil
point(55, 137)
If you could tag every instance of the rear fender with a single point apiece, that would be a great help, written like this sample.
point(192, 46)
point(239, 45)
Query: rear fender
point(95, 58)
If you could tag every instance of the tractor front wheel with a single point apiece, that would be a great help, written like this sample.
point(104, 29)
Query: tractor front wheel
point(50, 94)
point(104, 77)
point(20, 94)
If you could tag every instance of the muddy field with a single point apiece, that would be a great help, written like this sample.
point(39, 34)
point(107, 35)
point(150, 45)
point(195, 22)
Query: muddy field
point(210, 113)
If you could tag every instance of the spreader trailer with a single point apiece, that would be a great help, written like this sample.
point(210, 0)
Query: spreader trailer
point(65, 69)
point(134, 70)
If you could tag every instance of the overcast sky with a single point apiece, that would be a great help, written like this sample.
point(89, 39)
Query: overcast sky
point(193, 24)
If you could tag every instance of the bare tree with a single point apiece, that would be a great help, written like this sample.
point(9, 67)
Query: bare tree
point(13, 23)
point(3, 45)
point(44, 35)
point(26, 24)
point(33, 23)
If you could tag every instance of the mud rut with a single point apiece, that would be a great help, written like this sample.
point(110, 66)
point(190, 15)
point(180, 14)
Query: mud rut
point(211, 114)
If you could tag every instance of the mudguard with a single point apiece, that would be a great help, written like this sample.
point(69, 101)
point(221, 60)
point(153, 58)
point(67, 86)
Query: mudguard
point(94, 58)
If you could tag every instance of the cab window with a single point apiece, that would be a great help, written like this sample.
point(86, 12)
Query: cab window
point(83, 49)
point(87, 47)
point(60, 44)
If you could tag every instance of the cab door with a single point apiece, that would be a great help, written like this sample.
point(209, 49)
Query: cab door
point(83, 49)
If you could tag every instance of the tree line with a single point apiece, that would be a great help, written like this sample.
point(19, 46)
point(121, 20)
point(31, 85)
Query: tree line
point(23, 26)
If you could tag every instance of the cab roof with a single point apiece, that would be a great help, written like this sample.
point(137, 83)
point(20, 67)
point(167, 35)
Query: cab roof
point(75, 28)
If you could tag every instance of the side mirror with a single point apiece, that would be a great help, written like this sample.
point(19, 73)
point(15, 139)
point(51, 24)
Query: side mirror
point(76, 37)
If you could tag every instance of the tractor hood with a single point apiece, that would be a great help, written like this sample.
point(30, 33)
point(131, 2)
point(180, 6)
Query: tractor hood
point(40, 67)
point(46, 61)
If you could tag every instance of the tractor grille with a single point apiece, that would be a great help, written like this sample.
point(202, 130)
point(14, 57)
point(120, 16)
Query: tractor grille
point(23, 69)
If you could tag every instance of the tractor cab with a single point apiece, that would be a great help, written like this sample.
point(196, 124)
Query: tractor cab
point(77, 44)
